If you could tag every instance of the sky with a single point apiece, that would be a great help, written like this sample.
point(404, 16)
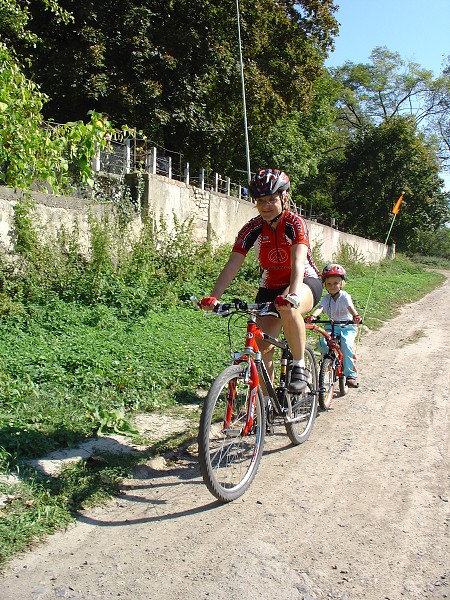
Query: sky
point(419, 31)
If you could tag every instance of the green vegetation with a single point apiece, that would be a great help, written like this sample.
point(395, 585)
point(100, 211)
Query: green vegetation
point(89, 341)
point(31, 151)
point(351, 138)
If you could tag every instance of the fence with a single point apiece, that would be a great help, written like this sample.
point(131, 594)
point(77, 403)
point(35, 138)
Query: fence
point(131, 155)
point(136, 155)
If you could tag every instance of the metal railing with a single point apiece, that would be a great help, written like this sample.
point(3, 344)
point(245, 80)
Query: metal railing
point(133, 155)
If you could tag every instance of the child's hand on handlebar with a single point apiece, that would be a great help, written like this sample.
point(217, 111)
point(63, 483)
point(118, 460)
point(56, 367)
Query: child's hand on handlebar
point(310, 319)
point(357, 319)
point(209, 303)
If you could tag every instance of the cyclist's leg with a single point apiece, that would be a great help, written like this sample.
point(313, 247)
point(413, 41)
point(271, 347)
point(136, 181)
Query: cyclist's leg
point(295, 333)
point(293, 323)
point(348, 337)
point(271, 326)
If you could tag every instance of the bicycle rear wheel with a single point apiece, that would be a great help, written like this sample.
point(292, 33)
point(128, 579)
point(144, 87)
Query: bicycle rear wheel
point(229, 460)
point(304, 406)
point(326, 383)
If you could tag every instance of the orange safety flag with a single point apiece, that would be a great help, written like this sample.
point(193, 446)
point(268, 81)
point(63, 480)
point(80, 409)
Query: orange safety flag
point(397, 204)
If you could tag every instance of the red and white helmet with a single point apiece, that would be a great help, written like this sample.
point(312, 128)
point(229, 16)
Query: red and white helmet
point(333, 270)
point(267, 182)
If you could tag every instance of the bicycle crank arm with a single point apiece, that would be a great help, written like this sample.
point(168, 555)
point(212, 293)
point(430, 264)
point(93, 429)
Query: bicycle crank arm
point(296, 419)
point(232, 432)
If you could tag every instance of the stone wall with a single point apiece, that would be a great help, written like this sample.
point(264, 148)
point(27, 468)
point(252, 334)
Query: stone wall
point(215, 216)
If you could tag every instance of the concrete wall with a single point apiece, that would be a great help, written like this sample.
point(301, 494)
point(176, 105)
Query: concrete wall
point(222, 216)
point(216, 216)
point(53, 214)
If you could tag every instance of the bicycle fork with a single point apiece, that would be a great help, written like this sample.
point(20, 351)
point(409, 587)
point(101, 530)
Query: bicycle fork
point(252, 379)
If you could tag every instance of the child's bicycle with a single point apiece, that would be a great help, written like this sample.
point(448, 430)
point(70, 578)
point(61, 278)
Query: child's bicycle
point(331, 370)
point(234, 420)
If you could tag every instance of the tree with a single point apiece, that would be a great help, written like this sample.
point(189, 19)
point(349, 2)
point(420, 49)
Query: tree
point(383, 89)
point(378, 164)
point(171, 68)
point(388, 87)
point(298, 140)
point(385, 140)
point(439, 114)
point(33, 153)
point(14, 21)
point(434, 243)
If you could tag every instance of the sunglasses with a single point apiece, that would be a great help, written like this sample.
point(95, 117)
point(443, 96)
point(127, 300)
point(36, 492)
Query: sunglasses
point(271, 200)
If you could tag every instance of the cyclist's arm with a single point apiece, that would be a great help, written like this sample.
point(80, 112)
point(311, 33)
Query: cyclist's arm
point(351, 308)
point(317, 312)
point(227, 274)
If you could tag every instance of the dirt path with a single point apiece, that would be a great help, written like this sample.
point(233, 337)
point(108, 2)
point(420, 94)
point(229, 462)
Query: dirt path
point(361, 511)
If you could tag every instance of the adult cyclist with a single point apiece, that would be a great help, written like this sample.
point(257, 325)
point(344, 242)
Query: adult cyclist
point(289, 276)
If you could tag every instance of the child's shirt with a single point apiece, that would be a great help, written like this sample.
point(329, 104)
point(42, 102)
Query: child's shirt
point(337, 309)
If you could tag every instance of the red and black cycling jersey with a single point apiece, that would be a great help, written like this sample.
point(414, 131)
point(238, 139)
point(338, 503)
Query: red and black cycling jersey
point(273, 248)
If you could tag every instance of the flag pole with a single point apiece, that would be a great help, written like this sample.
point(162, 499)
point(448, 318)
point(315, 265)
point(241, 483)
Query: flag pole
point(247, 150)
point(395, 212)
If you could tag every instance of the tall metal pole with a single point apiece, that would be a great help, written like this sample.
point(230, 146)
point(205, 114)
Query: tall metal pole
point(247, 150)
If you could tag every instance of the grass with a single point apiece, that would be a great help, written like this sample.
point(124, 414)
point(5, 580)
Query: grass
point(74, 364)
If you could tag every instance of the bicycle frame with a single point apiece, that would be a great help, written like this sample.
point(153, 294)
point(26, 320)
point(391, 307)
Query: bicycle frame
point(334, 349)
point(256, 367)
point(252, 356)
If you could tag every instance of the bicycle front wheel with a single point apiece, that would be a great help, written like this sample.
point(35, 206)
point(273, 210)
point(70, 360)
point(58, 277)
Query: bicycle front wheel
point(343, 389)
point(228, 459)
point(326, 383)
point(302, 415)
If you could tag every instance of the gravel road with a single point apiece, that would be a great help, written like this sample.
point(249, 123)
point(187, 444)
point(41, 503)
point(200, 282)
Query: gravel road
point(360, 511)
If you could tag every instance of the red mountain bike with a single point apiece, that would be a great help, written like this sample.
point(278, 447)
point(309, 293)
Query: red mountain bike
point(331, 370)
point(235, 420)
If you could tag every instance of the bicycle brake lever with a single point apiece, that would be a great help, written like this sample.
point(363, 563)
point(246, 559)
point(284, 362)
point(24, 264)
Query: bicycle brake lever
point(222, 310)
point(269, 310)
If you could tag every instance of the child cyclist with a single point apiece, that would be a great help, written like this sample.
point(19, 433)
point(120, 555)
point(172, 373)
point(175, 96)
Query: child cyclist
point(338, 305)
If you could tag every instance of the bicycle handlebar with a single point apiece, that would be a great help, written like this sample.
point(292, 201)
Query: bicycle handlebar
point(258, 308)
point(331, 322)
point(237, 305)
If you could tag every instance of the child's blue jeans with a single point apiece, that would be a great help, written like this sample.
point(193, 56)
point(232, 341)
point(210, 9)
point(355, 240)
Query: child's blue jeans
point(348, 336)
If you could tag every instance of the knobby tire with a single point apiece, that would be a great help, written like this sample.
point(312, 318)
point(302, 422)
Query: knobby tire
point(228, 460)
point(326, 383)
point(304, 404)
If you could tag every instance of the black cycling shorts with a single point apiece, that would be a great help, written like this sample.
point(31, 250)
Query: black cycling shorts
point(269, 295)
